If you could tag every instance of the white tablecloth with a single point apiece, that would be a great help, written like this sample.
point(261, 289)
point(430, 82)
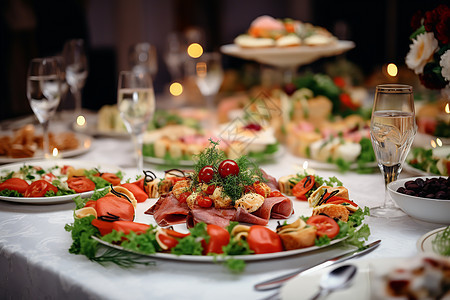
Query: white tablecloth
point(35, 262)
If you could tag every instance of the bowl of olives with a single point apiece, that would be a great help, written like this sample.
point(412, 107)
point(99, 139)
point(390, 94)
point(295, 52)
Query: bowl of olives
point(426, 198)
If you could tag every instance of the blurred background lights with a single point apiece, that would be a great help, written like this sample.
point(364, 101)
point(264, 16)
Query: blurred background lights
point(447, 108)
point(81, 121)
point(195, 50)
point(176, 89)
point(392, 70)
point(55, 152)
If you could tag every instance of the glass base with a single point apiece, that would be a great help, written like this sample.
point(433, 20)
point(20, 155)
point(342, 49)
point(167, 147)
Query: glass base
point(386, 212)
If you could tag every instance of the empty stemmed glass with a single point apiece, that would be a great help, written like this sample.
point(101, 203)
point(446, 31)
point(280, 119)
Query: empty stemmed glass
point(44, 93)
point(392, 131)
point(76, 69)
point(142, 58)
point(136, 103)
point(209, 77)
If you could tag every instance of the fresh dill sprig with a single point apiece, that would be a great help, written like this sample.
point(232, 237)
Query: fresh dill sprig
point(123, 259)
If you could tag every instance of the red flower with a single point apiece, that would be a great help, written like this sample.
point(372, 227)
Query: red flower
point(442, 33)
point(416, 20)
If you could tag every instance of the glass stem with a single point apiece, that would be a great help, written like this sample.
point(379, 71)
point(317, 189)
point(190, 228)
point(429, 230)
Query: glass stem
point(78, 106)
point(390, 174)
point(138, 139)
point(46, 139)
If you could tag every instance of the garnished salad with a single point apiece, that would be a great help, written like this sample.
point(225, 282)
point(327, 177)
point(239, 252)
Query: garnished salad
point(35, 181)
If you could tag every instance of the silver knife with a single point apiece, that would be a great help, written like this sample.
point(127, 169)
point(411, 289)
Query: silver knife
point(277, 282)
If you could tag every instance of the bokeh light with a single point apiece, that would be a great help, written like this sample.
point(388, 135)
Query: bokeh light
point(392, 70)
point(195, 50)
point(176, 89)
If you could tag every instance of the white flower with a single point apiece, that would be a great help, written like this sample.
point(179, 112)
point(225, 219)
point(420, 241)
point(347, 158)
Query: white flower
point(420, 51)
point(445, 64)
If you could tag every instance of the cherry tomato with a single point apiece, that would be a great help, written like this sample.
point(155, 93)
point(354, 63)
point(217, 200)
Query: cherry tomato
point(139, 194)
point(206, 174)
point(183, 196)
point(228, 167)
point(49, 177)
point(111, 178)
point(14, 184)
point(128, 226)
point(340, 200)
point(81, 184)
point(103, 226)
point(325, 225)
point(302, 187)
point(275, 194)
point(263, 240)
point(218, 237)
point(210, 189)
point(112, 208)
point(204, 201)
point(39, 187)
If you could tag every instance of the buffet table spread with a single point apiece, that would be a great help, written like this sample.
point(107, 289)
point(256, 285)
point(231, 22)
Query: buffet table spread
point(35, 261)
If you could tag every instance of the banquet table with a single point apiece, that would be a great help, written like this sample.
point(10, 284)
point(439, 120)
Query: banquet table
point(35, 262)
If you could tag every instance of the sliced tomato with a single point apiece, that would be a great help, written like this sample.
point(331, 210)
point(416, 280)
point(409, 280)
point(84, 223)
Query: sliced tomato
point(140, 183)
point(263, 240)
point(210, 189)
point(112, 208)
point(14, 184)
point(111, 178)
point(325, 225)
point(176, 234)
point(81, 184)
point(259, 189)
point(139, 194)
point(103, 226)
point(340, 200)
point(169, 241)
point(128, 226)
point(218, 237)
point(275, 194)
point(303, 186)
point(39, 188)
point(49, 177)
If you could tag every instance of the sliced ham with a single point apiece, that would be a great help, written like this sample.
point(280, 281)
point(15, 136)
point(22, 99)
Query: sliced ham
point(219, 217)
point(273, 207)
point(168, 211)
point(271, 181)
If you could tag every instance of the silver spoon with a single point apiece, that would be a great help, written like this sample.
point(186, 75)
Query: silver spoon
point(336, 279)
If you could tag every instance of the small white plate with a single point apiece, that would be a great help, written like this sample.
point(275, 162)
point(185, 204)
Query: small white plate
point(85, 143)
point(48, 164)
point(424, 244)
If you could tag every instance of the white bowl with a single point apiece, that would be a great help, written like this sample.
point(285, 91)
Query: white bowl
point(425, 209)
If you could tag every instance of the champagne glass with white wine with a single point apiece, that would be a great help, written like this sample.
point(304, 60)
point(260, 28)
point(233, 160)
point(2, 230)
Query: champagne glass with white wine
point(136, 103)
point(44, 93)
point(392, 131)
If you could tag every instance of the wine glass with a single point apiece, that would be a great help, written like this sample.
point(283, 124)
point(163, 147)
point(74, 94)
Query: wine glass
point(209, 77)
point(76, 69)
point(136, 103)
point(142, 58)
point(44, 92)
point(392, 131)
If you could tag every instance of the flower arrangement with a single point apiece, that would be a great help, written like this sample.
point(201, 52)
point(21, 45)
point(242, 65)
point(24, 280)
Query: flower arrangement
point(429, 54)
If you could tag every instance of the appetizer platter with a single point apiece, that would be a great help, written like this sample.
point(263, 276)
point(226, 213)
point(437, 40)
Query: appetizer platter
point(54, 181)
point(222, 210)
point(425, 161)
point(25, 144)
point(436, 241)
point(285, 43)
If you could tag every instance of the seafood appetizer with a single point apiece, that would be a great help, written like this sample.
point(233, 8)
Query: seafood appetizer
point(34, 181)
point(220, 190)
